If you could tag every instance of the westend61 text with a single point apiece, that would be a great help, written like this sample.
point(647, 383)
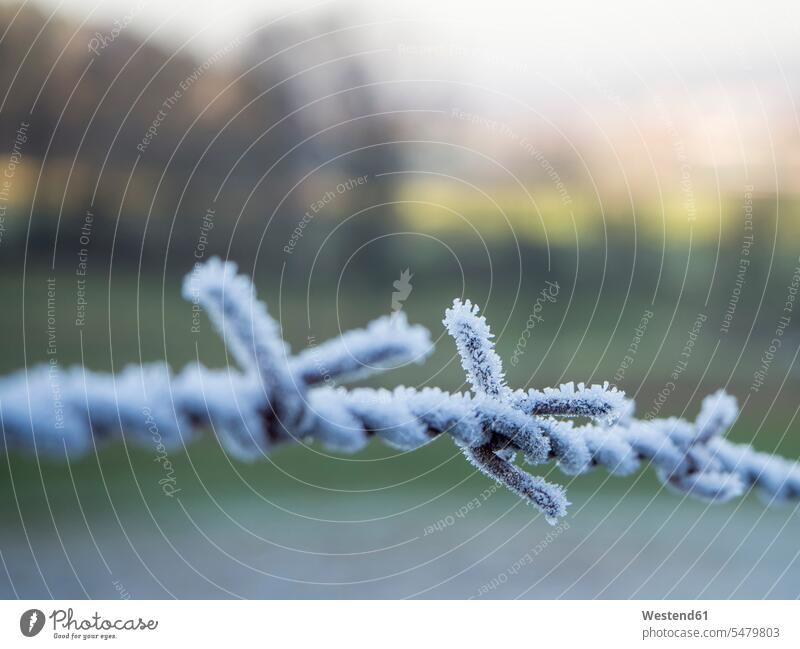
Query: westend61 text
point(672, 615)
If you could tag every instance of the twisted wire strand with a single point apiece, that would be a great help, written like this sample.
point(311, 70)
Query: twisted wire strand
point(278, 398)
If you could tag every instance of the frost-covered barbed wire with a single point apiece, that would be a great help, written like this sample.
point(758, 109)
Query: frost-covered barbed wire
point(276, 397)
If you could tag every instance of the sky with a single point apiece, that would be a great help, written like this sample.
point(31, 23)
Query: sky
point(682, 33)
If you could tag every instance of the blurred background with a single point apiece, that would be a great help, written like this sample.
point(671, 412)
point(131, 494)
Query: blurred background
point(610, 181)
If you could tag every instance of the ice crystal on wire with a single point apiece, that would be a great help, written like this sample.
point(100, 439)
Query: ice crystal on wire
point(473, 339)
point(384, 344)
point(276, 397)
point(567, 400)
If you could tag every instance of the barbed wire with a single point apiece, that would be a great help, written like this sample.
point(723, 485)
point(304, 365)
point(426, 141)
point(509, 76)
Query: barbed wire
point(276, 398)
